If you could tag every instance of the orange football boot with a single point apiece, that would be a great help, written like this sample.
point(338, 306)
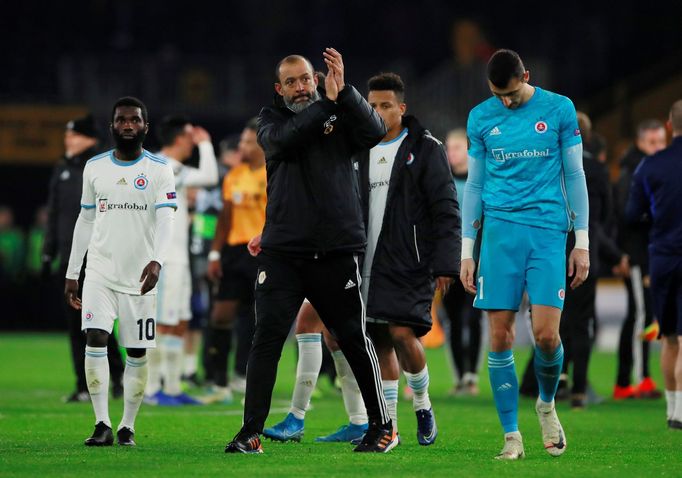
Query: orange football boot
point(621, 393)
point(647, 389)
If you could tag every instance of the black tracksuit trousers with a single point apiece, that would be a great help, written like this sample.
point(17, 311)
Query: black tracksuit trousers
point(331, 284)
point(633, 352)
point(459, 307)
point(577, 330)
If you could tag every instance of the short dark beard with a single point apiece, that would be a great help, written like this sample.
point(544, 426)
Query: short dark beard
point(128, 146)
point(298, 107)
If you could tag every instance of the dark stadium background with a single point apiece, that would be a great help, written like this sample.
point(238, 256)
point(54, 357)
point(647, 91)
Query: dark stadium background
point(214, 62)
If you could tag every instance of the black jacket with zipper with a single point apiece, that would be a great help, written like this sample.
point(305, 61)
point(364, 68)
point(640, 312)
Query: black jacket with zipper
point(64, 205)
point(313, 192)
point(420, 236)
point(602, 247)
point(633, 239)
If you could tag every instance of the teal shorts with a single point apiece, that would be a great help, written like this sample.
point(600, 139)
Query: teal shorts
point(516, 257)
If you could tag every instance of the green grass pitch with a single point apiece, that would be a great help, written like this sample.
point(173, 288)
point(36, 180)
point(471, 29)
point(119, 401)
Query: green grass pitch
point(40, 436)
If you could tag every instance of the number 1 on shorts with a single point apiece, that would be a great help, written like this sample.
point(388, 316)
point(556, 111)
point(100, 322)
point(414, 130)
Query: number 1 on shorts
point(480, 288)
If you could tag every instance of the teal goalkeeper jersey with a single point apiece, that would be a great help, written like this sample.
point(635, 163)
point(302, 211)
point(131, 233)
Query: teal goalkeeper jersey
point(523, 180)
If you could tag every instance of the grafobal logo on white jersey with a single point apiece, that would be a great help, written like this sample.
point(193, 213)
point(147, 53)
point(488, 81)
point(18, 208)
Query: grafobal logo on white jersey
point(501, 155)
point(105, 206)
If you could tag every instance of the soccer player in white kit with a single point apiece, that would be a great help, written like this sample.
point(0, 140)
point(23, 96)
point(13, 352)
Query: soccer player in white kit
point(125, 225)
point(177, 137)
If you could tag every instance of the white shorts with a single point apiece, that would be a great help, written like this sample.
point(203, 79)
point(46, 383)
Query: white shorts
point(135, 313)
point(174, 294)
point(364, 290)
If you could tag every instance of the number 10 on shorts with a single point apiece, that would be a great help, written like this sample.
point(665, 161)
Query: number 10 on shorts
point(146, 329)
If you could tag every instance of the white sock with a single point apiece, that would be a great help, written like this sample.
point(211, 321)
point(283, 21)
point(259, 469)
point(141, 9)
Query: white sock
point(352, 398)
point(419, 383)
point(171, 357)
point(189, 366)
point(97, 377)
point(154, 361)
point(391, 394)
point(670, 404)
point(677, 415)
point(307, 371)
point(134, 381)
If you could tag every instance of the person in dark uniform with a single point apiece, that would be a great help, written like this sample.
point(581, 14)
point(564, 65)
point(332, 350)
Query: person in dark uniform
point(465, 332)
point(655, 197)
point(81, 140)
point(312, 237)
point(633, 353)
point(578, 319)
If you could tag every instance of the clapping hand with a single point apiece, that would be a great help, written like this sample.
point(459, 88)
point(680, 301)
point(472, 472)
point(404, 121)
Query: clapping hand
point(334, 81)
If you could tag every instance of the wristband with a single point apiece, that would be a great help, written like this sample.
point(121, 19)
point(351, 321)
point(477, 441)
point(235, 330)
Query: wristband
point(582, 239)
point(214, 256)
point(468, 248)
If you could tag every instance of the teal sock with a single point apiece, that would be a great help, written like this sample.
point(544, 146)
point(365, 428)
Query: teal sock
point(547, 371)
point(505, 387)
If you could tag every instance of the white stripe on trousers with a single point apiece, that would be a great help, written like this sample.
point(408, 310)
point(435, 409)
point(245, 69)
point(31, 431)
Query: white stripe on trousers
point(640, 317)
point(371, 353)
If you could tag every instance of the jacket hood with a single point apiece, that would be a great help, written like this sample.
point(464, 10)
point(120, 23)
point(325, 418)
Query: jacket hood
point(414, 127)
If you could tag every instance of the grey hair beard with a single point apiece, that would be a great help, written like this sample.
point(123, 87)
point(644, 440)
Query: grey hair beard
point(298, 107)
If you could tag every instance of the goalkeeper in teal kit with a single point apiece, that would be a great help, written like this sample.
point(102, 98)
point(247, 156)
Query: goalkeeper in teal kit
point(526, 190)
